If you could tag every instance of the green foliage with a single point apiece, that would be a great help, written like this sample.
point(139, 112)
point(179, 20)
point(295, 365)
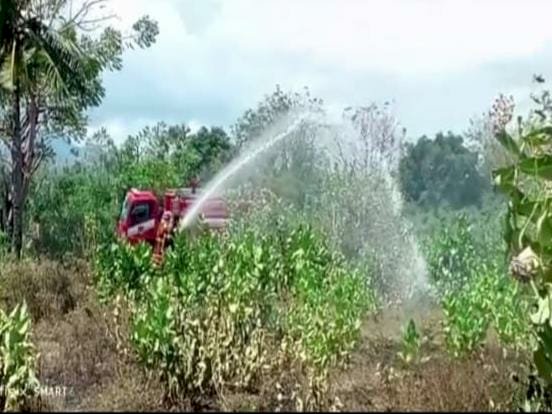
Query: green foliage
point(526, 181)
point(410, 343)
point(452, 256)
point(329, 300)
point(475, 293)
point(488, 300)
point(4, 245)
point(442, 170)
point(163, 155)
point(79, 199)
point(18, 378)
point(224, 309)
point(466, 317)
point(509, 313)
point(122, 267)
point(51, 68)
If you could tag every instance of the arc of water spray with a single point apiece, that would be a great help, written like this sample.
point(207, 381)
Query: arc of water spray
point(233, 168)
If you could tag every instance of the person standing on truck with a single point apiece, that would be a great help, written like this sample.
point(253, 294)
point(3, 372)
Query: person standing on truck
point(164, 236)
point(169, 227)
point(194, 183)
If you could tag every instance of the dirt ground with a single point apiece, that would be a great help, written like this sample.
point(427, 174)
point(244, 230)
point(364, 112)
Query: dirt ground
point(378, 380)
point(81, 353)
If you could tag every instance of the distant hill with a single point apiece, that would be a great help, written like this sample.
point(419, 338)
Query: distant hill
point(66, 154)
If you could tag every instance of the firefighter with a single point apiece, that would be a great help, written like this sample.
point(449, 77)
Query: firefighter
point(167, 223)
point(194, 183)
point(164, 234)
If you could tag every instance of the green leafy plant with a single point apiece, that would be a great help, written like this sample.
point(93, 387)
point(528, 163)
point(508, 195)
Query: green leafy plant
point(410, 343)
point(528, 222)
point(474, 291)
point(122, 268)
point(466, 322)
point(490, 299)
point(4, 245)
point(510, 309)
point(452, 254)
point(18, 381)
point(224, 310)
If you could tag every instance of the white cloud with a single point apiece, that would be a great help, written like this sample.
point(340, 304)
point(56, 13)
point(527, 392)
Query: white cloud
point(198, 16)
point(440, 60)
point(398, 36)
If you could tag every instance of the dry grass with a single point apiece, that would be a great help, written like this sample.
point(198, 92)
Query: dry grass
point(76, 352)
point(127, 390)
point(378, 380)
point(440, 384)
point(49, 288)
point(81, 352)
point(76, 341)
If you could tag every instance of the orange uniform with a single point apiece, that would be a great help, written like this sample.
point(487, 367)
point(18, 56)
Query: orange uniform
point(164, 231)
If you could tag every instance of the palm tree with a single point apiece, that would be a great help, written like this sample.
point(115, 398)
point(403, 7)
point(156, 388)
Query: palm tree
point(34, 56)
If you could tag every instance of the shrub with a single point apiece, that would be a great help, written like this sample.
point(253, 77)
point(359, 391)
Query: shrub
point(469, 275)
point(223, 310)
point(452, 256)
point(526, 182)
point(410, 343)
point(120, 267)
point(18, 360)
point(489, 299)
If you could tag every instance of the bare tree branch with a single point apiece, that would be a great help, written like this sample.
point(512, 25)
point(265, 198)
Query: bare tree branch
point(55, 11)
point(82, 25)
point(81, 14)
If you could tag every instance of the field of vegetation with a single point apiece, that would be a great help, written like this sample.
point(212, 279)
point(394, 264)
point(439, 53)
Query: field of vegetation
point(394, 274)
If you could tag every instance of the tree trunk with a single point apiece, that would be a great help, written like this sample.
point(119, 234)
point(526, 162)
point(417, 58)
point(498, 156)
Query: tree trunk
point(7, 214)
point(30, 160)
point(17, 173)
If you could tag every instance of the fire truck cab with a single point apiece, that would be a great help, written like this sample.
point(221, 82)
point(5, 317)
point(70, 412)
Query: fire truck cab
point(142, 213)
point(140, 217)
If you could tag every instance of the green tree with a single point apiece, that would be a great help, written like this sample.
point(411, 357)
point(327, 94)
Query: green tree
point(172, 155)
point(441, 170)
point(51, 73)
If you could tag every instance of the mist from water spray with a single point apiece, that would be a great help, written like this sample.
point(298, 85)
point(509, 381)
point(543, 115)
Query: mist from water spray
point(235, 167)
point(387, 234)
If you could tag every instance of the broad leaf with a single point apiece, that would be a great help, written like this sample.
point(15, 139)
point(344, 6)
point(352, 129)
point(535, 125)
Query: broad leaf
point(541, 136)
point(537, 166)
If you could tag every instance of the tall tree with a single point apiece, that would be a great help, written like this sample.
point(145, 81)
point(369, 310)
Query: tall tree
point(441, 170)
point(51, 60)
point(164, 155)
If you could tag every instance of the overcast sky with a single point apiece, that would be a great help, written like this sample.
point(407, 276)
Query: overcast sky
point(439, 61)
